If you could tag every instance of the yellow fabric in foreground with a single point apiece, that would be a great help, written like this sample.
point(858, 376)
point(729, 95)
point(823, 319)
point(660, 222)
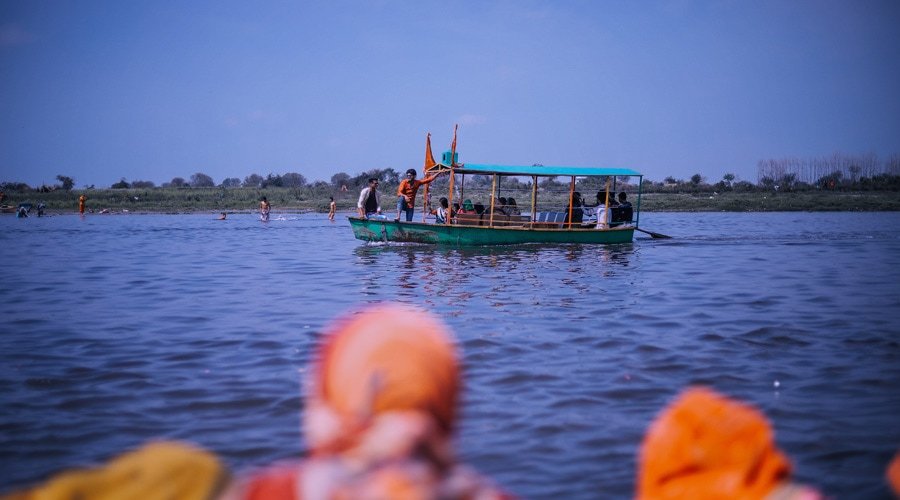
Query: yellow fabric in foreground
point(157, 471)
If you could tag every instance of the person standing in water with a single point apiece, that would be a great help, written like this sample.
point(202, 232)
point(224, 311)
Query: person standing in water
point(264, 208)
point(332, 206)
point(81, 200)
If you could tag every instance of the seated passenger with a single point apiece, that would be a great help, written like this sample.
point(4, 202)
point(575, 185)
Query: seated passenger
point(577, 210)
point(440, 213)
point(604, 212)
point(622, 212)
point(511, 207)
point(500, 206)
point(627, 211)
point(467, 207)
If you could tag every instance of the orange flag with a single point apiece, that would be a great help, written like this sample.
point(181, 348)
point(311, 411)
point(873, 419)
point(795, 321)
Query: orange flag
point(429, 158)
point(453, 146)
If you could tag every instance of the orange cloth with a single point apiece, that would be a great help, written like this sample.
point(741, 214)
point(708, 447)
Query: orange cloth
point(893, 474)
point(705, 445)
point(276, 484)
point(158, 471)
point(408, 189)
point(81, 200)
point(429, 158)
point(388, 358)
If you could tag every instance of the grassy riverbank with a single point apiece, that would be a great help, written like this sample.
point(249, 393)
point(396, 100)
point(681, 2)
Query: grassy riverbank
point(309, 199)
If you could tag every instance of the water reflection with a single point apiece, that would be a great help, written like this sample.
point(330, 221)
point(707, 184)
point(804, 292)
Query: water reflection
point(499, 276)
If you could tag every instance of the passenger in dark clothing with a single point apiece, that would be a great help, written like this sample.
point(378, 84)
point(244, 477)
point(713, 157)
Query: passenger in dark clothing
point(577, 210)
point(622, 211)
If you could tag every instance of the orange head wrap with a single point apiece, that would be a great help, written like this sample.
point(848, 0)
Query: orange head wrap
point(384, 363)
point(705, 445)
point(893, 474)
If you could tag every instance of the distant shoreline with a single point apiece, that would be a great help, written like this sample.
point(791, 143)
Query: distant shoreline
point(154, 201)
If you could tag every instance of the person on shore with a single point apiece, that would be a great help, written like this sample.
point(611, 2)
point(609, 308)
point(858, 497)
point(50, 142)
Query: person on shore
point(369, 204)
point(705, 445)
point(40, 208)
point(332, 208)
point(81, 201)
point(406, 193)
point(264, 209)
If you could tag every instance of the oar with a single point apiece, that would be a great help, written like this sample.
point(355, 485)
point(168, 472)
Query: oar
point(652, 234)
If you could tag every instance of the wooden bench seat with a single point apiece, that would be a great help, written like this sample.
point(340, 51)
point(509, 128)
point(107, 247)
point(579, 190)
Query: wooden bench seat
point(468, 219)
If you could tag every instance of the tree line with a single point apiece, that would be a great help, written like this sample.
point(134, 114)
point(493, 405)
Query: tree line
point(836, 172)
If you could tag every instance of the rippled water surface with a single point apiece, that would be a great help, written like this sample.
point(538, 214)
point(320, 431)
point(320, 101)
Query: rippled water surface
point(120, 329)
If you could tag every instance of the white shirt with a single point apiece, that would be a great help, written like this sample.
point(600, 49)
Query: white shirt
point(602, 217)
point(361, 203)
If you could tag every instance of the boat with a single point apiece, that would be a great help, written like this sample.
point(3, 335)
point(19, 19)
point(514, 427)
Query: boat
point(544, 222)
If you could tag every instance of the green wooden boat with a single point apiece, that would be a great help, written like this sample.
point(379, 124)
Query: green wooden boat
point(454, 234)
point(493, 226)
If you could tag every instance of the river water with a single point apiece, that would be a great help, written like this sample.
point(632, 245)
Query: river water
point(122, 329)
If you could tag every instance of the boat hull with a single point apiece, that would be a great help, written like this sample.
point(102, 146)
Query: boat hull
point(441, 234)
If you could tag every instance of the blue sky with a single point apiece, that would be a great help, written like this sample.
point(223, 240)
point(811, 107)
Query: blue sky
point(151, 90)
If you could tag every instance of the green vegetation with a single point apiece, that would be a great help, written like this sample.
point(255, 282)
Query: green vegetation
point(835, 183)
point(315, 199)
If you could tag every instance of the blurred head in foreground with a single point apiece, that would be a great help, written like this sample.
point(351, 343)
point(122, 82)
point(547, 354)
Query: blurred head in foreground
point(705, 445)
point(379, 415)
point(386, 367)
point(893, 475)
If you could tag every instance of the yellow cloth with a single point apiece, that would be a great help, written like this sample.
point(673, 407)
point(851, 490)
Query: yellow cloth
point(158, 471)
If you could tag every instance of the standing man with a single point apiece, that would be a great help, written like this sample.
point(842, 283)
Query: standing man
point(406, 193)
point(369, 204)
point(264, 208)
point(81, 200)
point(332, 207)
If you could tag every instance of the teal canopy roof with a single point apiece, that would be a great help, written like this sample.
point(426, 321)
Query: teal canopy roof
point(476, 168)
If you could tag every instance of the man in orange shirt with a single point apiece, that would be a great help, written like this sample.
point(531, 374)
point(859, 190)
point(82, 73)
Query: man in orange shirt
point(406, 193)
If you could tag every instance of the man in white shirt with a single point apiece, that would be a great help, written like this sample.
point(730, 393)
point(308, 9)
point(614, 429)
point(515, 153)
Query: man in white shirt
point(369, 204)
